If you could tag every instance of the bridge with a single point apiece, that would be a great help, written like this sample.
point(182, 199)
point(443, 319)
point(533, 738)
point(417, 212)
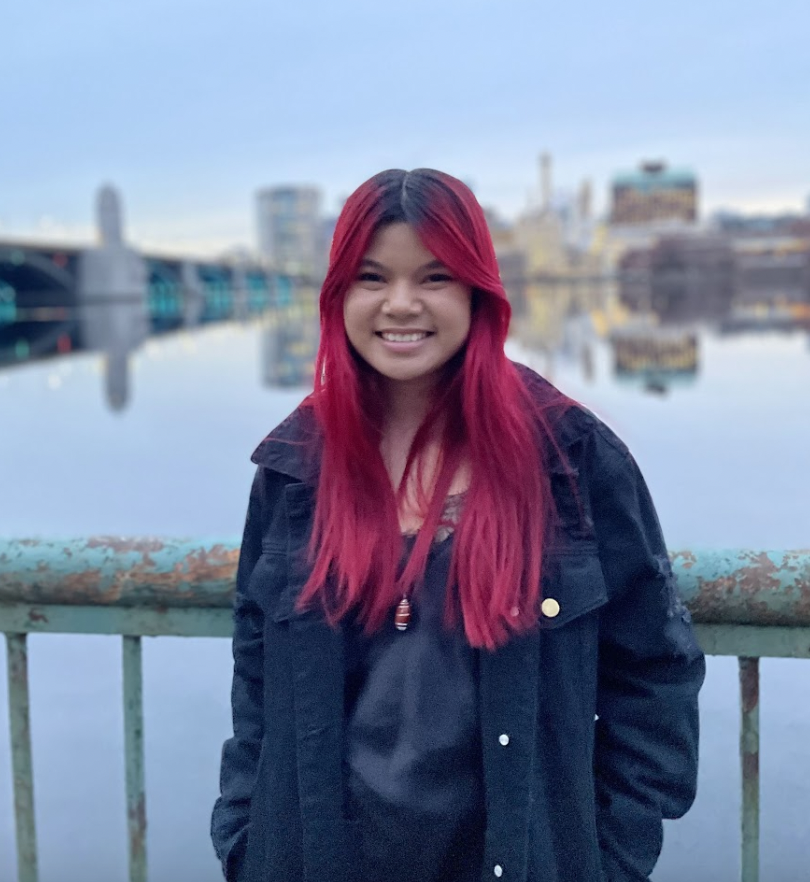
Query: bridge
point(49, 292)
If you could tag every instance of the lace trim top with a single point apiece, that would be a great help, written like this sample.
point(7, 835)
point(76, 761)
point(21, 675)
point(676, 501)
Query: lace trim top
point(450, 517)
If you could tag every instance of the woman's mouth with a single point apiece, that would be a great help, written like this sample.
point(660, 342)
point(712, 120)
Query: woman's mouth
point(403, 336)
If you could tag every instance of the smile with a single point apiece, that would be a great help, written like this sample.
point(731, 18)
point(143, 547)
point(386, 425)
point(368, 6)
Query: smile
point(410, 337)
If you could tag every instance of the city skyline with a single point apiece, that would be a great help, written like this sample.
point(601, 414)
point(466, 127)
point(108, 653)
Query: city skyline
point(189, 110)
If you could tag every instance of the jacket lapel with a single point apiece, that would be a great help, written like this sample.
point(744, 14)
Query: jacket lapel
point(318, 685)
point(508, 702)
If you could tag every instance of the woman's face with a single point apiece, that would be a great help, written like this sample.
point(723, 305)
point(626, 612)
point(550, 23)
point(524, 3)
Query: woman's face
point(405, 314)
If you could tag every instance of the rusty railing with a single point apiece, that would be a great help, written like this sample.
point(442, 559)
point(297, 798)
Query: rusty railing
point(749, 604)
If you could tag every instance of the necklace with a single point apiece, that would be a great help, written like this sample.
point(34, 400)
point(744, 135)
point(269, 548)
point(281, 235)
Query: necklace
point(402, 617)
point(450, 517)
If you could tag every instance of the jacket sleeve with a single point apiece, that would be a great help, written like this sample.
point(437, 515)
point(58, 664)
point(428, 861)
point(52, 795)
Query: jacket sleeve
point(240, 754)
point(650, 671)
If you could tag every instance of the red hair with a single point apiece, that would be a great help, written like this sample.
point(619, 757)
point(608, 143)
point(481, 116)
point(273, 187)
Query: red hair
point(491, 421)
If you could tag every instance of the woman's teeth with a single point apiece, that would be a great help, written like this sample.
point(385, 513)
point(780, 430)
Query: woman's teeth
point(404, 338)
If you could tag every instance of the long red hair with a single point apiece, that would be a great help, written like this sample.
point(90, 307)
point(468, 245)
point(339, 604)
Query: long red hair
point(490, 421)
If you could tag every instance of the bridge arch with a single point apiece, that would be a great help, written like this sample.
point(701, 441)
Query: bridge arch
point(37, 302)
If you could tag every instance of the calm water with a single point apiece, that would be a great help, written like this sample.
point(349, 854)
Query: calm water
point(725, 456)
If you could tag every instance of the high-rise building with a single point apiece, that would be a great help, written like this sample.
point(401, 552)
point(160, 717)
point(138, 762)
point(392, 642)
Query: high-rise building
point(290, 229)
point(654, 193)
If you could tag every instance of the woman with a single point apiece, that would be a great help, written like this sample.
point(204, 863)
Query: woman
point(459, 650)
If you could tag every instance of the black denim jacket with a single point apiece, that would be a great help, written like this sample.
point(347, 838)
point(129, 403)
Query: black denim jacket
point(598, 705)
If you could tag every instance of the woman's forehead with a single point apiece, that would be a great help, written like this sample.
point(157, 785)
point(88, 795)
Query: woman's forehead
point(398, 246)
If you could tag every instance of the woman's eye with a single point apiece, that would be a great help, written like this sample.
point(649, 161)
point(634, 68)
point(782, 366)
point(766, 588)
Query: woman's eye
point(370, 277)
point(438, 278)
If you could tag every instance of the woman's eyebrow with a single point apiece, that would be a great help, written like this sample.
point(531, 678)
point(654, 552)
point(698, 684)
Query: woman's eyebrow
point(434, 264)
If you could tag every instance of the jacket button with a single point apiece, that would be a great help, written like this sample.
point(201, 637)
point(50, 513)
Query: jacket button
point(550, 608)
point(503, 740)
point(498, 871)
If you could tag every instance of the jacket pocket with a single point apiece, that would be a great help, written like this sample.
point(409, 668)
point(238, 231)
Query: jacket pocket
point(573, 585)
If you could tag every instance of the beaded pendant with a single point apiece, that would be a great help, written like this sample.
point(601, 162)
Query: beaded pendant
point(402, 617)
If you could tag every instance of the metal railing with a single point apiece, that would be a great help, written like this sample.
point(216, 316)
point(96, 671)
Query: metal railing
point(750, 604)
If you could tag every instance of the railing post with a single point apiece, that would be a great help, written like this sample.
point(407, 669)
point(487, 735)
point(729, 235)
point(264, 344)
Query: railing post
point(749, 759)
point(133, 749)
point(21, 760)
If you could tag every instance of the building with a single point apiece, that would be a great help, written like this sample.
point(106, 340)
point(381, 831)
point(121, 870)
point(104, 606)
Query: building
point(680, 279)
point(762, 226)
point(772, 272)
point(772, 257)
point(291, 230)
point(654, 194)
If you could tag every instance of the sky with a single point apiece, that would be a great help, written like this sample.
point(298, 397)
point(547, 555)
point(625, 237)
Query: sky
point(189, 107)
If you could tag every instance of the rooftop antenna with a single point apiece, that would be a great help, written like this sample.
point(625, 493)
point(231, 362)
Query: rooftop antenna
point(545, 181)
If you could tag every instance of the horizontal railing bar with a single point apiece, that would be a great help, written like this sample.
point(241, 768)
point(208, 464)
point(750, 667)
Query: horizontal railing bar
point(733, 640)
point(133, 622)
point(733, 587)
point(754, 641)
point(111, 571)
point(745, 586)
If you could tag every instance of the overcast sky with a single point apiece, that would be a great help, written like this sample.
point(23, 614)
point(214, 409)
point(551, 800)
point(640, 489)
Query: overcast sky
point(189, 105)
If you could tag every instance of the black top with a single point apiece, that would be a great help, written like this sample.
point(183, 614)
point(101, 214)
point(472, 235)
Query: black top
point(413, 752)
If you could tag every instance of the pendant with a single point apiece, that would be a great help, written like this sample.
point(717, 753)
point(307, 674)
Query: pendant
point(402, 617)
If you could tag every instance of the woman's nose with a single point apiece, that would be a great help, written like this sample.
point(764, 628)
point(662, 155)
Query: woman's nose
point(402, 299)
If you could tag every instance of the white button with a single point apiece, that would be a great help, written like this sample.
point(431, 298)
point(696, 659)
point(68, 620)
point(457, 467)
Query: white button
point(498, 871)
point(503, 740)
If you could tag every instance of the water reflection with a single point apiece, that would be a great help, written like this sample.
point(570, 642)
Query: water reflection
point(652, 330)
point(117, 327)
point(655, 357)
point(290, 342)
point(561, 322)
point(116, 330)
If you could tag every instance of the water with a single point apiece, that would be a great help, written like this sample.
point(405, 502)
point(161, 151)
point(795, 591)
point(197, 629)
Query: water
point(725, 456)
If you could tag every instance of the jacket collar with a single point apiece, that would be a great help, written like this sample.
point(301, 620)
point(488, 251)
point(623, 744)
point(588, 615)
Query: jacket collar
point(293, 448)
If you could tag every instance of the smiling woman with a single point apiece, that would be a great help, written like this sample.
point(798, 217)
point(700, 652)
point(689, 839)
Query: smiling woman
point(458, 652)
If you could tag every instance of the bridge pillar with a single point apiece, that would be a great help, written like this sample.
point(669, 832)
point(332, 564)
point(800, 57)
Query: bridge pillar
point(239, 286)
point(112, 297)
point(193, 294)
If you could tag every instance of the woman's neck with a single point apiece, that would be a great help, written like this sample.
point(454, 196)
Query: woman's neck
point(407, 405)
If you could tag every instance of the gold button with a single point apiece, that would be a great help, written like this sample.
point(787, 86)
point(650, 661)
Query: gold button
point(550, 608)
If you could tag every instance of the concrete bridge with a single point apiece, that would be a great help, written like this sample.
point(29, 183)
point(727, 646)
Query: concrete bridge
point(48, 292)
